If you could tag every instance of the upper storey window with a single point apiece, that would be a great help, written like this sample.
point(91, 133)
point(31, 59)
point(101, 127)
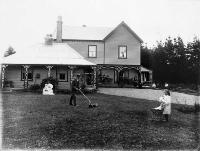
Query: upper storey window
point(122, 52)
point(92, 51)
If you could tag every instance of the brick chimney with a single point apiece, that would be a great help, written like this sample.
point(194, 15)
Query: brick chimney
point(59, 29)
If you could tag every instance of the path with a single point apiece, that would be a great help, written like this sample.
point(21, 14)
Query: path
point(150, 94)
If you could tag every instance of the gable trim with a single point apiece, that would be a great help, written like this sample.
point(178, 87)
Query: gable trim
point(128, 28)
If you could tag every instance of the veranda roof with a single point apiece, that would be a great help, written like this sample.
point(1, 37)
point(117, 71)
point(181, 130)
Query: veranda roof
point(55, 54)
point(143, 69)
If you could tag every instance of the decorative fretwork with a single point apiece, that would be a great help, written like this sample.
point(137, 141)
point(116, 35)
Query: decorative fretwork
point(26, 76)
point(49, 70)
point(95, 76)
point(3, 74)
point(119, 67)
point(100, 67)
point(71, 68)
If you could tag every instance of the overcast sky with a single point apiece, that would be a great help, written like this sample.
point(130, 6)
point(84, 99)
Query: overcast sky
point(26, 22)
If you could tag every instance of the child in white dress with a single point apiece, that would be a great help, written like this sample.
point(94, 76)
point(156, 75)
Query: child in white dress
point(48, 89)
point(165, 105)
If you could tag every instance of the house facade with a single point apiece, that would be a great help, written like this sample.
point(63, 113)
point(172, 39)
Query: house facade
point(115, 51)
point(103, 56)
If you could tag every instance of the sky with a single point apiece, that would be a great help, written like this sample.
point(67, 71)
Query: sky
point(26, 22)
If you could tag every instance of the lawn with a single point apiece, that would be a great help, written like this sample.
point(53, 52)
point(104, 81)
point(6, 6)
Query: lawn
point(48, 122)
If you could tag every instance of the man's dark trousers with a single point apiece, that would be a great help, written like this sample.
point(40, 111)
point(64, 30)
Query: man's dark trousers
point(73, 99)
point(75, 87)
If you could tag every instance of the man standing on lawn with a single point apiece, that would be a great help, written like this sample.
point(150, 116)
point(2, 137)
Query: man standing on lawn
point(75, 87)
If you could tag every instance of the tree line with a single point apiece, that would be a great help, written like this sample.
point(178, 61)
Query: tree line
point(172, 61)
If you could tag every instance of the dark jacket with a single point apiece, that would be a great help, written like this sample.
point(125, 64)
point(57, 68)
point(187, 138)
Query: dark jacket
point(75, 85)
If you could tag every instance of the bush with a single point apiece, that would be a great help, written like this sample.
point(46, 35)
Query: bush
point(35, 87)
point(51, 80)
point(105, 79)
point(128, 81)
point(196, 107)
point(8, 84)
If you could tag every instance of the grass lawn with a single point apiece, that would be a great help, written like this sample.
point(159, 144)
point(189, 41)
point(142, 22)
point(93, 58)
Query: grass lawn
point(37, 121)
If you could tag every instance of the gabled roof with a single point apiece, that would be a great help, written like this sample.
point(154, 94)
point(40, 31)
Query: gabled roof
point(91, 33)
point(128, 28)
point(41, 54)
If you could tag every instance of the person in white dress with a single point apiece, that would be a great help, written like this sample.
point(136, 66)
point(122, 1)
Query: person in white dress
point(48, 89)
point(165, 104)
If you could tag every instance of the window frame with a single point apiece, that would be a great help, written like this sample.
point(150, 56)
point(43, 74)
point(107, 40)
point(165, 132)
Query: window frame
point(89, 51)
point(30, 71)
point(119, 52)
point(66, 77)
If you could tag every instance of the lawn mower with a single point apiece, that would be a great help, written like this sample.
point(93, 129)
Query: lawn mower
point(90, 103)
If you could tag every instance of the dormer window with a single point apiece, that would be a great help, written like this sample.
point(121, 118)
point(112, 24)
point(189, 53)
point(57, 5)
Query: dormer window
point(92, 51)
point(122, 52)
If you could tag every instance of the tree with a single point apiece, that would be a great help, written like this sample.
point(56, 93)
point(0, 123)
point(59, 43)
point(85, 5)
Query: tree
point(160, 62)
point(9, 52)
point(193, 58)
point(169, 61)
point(146, 57)
point(175, 50)
point(175, 62)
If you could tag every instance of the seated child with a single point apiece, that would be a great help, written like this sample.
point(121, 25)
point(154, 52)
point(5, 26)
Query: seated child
point(48, 89)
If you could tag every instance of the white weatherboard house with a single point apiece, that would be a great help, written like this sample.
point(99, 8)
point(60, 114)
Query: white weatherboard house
point(101, 55)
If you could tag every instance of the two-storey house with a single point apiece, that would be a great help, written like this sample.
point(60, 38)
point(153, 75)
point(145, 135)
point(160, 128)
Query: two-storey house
point(102, 55)
point(115, 51)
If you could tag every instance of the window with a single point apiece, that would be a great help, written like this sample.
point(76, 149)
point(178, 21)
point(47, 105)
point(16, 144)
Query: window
point(92, 51)
point(63, 77)
point(122, 52)
point(30, 74)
